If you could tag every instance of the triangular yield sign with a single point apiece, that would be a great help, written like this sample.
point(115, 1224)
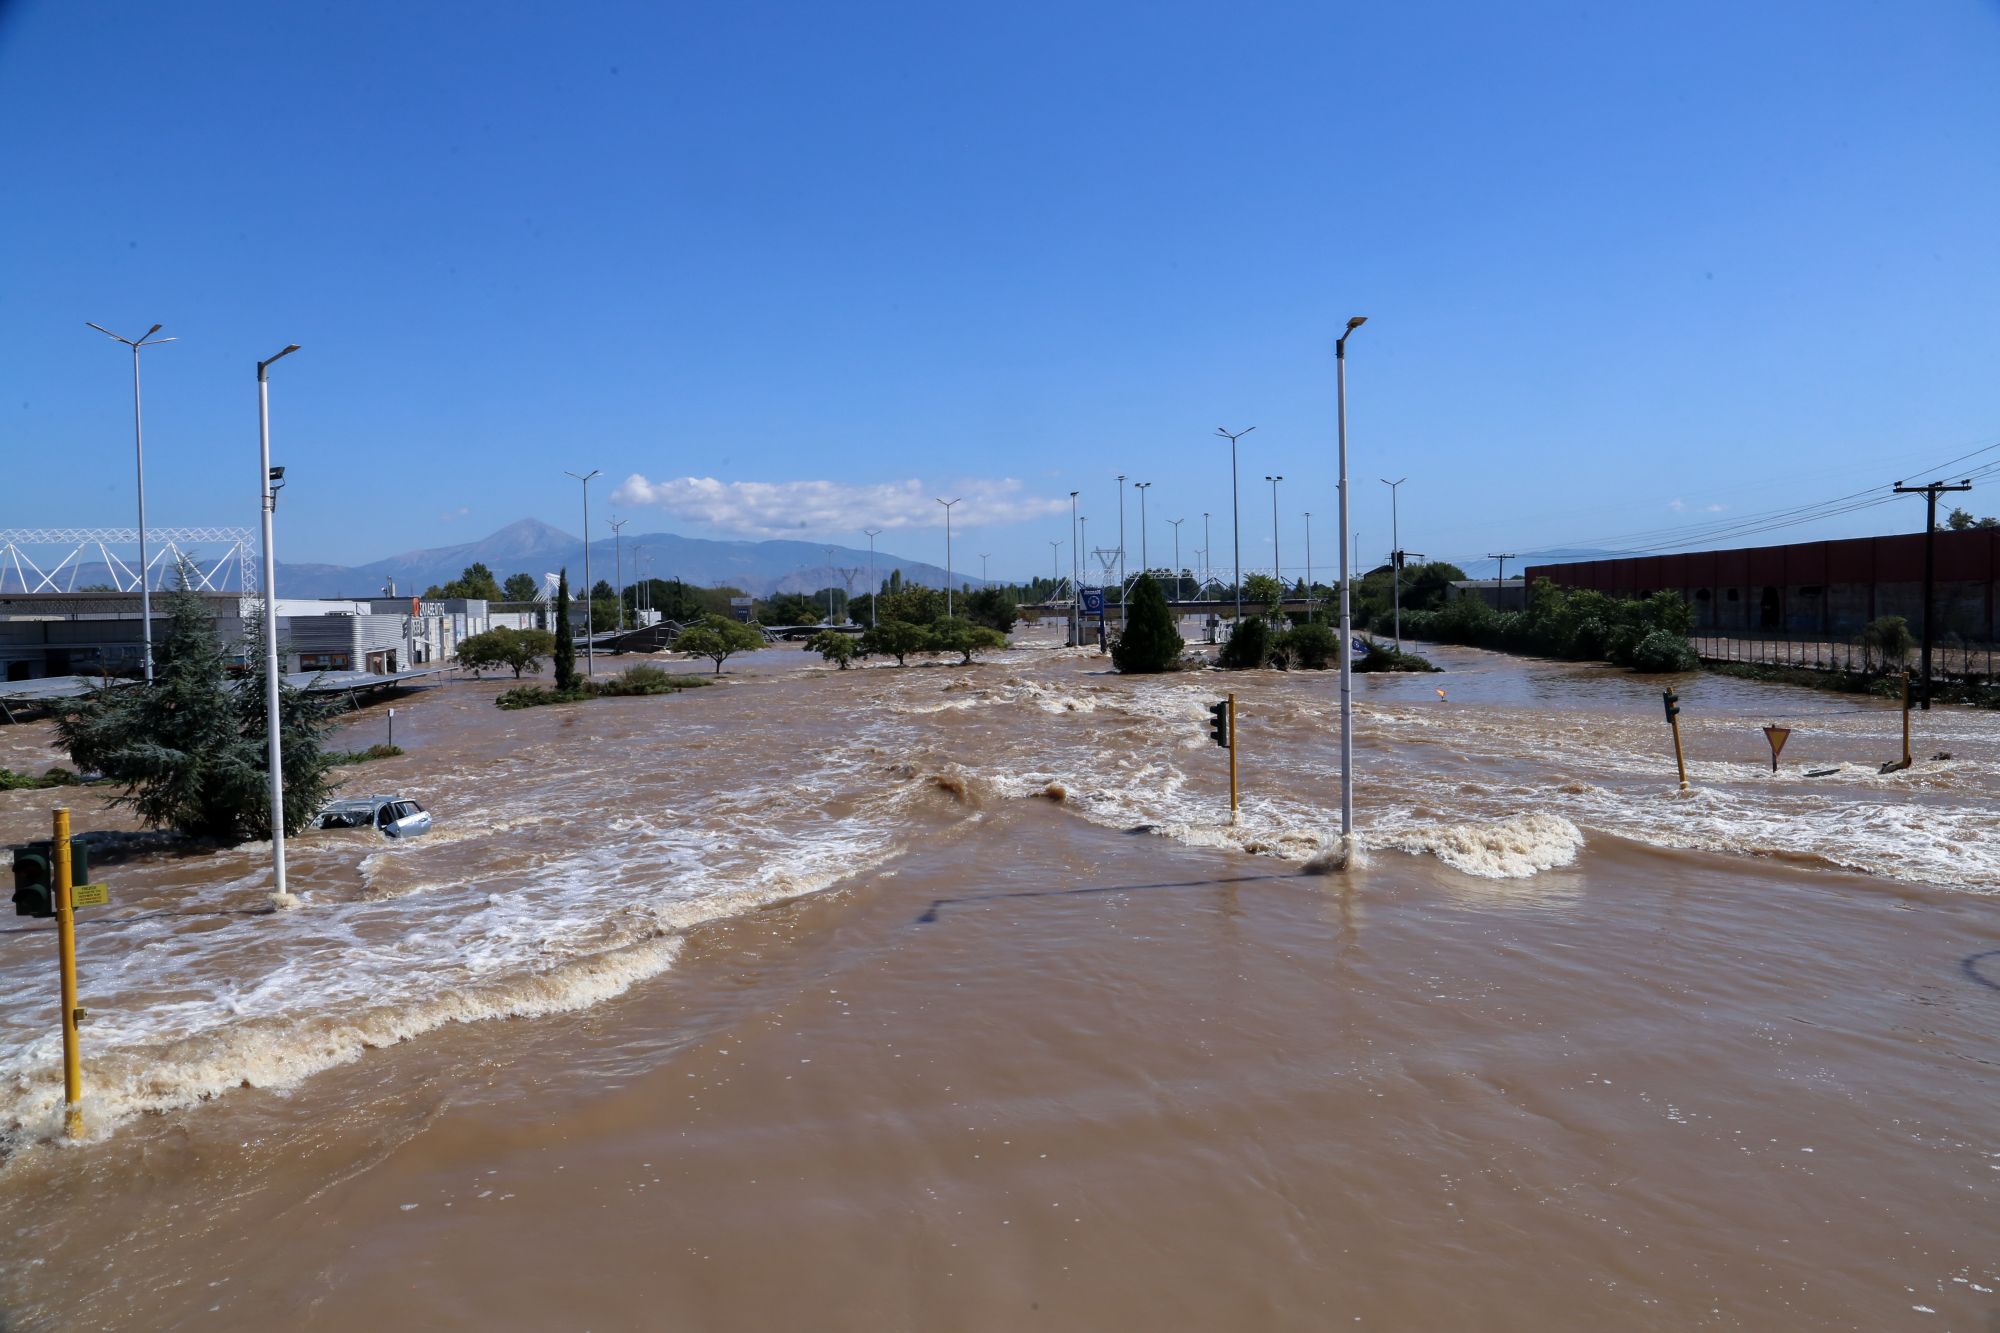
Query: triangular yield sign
point(1777, 736)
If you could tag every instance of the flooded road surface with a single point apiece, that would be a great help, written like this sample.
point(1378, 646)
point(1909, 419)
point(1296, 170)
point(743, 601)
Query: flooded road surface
point(947, 997)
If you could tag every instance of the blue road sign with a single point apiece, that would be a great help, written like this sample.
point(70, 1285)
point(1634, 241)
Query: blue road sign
point(1093, 601)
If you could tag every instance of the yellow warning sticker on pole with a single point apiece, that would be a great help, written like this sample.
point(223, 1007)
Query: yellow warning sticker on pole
point(89, 895)
point(1777, 736)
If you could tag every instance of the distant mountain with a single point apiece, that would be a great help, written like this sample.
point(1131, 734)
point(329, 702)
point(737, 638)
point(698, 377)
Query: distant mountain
point(533, 547)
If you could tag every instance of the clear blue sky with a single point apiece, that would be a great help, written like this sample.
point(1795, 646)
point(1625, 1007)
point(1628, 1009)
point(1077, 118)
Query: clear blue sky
point(1623, 263)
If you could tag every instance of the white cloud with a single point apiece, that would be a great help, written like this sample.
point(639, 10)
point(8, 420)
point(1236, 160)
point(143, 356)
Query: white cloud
point(1713, 509)
point(788, 508)
point(1677, 505)
point(453, 515)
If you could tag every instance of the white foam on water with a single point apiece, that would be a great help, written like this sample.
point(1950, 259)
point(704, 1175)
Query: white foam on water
point(1511, 848)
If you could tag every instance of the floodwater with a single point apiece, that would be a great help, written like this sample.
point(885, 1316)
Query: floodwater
point(951, 997)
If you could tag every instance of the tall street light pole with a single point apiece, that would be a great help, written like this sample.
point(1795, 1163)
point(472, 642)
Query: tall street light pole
point(1175, 524)
point(874, 588)
point(832, 554)
point(589, 602)
point(617, 526)
point(1207, 549)
point(1346, 607)
point(1055, 566)
point(1277, 566)
point(139, 449)
point(1395, 558)
point(983, 556)
point(1235, 514)
point(1309, 565)
point(948, 579)
point(1075, 588)
point(270, 481)
point(1145, 562)
point(1121, 549)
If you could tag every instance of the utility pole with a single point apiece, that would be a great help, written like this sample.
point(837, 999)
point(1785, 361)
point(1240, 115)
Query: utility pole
point(1500, 594)
point(1930, 492)
point(1396, 557)
point(874, 588)
point(589, 629)
point(982, 567)
point(1346, 607)
point(947, 554)
point(1207, 549)
point(1175, 524)
point(831, 553)
point(1235, 513)
point(1055, 567)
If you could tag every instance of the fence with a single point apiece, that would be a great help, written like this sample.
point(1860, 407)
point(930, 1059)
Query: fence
point(1954, 660)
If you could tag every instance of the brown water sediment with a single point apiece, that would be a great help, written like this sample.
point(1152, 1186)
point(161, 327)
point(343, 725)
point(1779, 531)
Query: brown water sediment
point(1027, 1069)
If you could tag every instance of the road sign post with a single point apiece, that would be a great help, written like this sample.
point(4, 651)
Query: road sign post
point(66, 946)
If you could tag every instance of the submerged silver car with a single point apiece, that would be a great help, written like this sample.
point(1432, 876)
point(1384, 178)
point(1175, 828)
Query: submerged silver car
point(395, 816)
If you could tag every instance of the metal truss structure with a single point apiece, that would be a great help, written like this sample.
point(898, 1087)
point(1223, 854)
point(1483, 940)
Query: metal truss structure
point(210, 555)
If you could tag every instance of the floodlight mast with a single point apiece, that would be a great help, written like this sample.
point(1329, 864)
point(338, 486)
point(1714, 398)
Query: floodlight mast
point(139, 452)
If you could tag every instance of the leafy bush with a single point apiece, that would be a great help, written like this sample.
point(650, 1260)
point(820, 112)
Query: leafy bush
point(1889, 636)
point(55, 777)
point(1384, 657)
point(1149, 642)
point(1580, 624)
point(1662, 652)
point(363, 756)
point(1311, 646)
point(1249, 646)
point(640, 680)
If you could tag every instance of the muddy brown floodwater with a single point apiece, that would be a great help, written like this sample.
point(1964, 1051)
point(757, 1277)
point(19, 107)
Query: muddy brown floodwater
point(951, 998)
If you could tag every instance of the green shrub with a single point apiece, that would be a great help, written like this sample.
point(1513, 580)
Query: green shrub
point(1311, 647)
point(1249, 646)
point(55, 777)
point(1661, 651)
point(895, 638)
point(640, 680)
point(949, 634)
point(363, 756)
point(1384, 657)
point(1889, 636)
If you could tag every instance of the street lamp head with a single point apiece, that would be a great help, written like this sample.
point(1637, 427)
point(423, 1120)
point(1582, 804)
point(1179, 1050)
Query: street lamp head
point(150, 332)
point(278, 475)
point(1356, 322)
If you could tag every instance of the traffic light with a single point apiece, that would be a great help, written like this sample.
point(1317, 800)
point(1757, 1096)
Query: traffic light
point(35, 877)
point(1672, 702)
point(1218, 722)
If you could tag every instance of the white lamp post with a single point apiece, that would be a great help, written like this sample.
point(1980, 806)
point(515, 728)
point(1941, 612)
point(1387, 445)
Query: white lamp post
point(589, 628)
point(270, 481)
point(947, 554)
point(1346, 607)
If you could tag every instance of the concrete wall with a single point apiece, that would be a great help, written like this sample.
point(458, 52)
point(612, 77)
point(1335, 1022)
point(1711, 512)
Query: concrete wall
point(1832, 588)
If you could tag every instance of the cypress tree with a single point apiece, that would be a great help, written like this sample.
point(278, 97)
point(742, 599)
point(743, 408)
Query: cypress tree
point(565, 655)
point(1149, 642)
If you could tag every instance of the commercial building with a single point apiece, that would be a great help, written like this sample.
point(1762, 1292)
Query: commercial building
point(98, 633)
point(1829, 588)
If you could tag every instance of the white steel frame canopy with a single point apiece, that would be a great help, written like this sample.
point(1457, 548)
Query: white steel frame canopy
point(206, 572)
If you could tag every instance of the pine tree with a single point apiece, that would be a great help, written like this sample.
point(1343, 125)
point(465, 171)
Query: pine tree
point(1149, 642)
point(190, 749)
point(565, 656)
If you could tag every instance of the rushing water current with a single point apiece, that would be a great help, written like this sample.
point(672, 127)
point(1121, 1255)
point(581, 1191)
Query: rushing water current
point(1548, 915)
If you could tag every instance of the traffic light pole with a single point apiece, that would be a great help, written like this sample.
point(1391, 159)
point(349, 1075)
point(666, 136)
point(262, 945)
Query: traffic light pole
point(66, 945)
point(1232, 758)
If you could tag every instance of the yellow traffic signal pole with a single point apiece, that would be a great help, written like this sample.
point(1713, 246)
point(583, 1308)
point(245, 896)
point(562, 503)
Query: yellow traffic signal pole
point(1673, 701)
point(66, 943)
point(1906, 719)
point(1232, 758)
